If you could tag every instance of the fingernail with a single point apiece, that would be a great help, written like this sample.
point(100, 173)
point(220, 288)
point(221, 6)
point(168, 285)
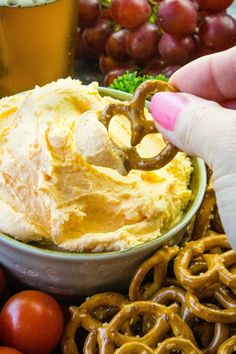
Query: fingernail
point(165, 108)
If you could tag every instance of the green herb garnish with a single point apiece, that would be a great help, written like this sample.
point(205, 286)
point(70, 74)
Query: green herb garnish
point(129, 81)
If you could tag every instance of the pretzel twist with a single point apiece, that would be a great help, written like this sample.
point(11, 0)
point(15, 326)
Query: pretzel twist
point(159, 261)
point(117, 326)
point(160, 328)
point(140, 126)
point(215, 263)
point(221, 333)
point(83, 317)
point(173, 294)
point(166, 318)
point(102, 300)
point(207, 313)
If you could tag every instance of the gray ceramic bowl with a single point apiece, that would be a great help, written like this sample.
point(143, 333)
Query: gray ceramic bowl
point(69, 275)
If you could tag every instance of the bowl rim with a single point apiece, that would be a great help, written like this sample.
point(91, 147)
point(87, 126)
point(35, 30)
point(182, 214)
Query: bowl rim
point(71, 255)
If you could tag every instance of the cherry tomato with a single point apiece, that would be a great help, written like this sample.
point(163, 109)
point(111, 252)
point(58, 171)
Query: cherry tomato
point(32, 322)
point(8, 350)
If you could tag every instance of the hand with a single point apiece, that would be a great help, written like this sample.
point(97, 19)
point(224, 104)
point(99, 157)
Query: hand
point(196, 122)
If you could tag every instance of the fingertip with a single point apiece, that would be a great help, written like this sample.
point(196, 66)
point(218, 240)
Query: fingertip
point(166, 107)
point(211, 77)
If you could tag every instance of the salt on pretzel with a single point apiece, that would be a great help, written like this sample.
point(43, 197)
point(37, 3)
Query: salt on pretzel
point(159, 261)
point(160, 328)
point(105, 300)
point(174, 294)
point(167, 346)
point(166, 319)
point(142, 325)
point(101, 339)
point(82, 316)
point(215, 262)
point(173, 344)
point(140, 126)
point(109, 335)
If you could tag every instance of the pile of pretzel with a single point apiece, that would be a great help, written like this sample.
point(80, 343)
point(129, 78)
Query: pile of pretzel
point(181, 300)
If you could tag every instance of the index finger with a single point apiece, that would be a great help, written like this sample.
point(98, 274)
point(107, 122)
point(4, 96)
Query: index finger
point(212, 77)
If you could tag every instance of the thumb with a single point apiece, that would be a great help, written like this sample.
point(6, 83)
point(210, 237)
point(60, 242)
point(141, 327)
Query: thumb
point(204, 129)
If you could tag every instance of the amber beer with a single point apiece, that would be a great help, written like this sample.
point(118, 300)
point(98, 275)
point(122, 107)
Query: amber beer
point(37, 40)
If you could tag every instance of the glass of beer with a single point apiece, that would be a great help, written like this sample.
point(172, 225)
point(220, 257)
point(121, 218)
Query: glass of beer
point(37, 41)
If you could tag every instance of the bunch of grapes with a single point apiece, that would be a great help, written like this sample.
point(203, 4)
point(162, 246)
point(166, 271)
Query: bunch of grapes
point(154, 37)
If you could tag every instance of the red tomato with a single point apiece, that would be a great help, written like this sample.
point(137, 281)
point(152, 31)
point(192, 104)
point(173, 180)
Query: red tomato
point(7, 350)
point(32, 322)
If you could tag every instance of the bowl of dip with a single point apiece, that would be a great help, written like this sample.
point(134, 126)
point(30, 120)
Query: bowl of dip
point(72, 223)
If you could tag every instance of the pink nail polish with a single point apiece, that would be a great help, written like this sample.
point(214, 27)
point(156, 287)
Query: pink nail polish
point(165, 108)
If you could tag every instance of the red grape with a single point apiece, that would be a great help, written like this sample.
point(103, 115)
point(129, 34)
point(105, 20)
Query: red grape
point(95, 37)
point(142, 42)
point(155, 66)
point(106, 13)
point(196, 5)
point(214, 6)
point(184, 31)
point(218, 32)
point(89, 12)
point(178, 50)
point(81, 49)
point(202, 51)
point(107, 64)
point(115, 45)
point(130, 13)
point(177, 16)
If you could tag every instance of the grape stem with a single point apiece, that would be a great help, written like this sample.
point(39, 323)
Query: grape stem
point(153, 16)
point(154, 3)
point(106, 3)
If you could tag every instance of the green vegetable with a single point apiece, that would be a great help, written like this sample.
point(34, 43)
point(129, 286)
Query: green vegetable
point(129, 81)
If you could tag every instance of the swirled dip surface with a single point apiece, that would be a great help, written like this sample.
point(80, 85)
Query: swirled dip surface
point(61, 178)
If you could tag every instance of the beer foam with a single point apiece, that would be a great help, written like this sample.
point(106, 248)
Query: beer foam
point(25, 3)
